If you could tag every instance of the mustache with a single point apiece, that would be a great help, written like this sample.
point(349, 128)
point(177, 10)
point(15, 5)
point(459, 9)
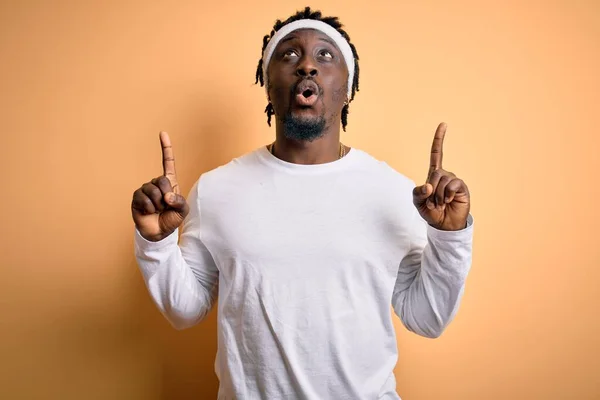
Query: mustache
point(294, 87)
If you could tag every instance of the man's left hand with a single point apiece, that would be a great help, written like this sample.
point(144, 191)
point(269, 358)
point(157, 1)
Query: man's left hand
point(443, 201)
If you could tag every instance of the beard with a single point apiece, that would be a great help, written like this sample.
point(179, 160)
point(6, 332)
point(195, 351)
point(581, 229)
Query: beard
point(303, 129)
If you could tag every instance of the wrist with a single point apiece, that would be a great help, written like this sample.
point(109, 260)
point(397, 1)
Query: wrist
point(451, 227)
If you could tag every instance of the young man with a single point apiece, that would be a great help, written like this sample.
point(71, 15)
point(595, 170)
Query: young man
point(306, 242)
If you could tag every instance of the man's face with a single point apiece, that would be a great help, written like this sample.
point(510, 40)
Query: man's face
point(307, 83)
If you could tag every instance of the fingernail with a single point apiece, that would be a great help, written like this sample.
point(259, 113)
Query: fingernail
point(430, 205)
point(447, 200)
point(424, 189)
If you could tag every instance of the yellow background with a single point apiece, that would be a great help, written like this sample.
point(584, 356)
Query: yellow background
point(87, 86)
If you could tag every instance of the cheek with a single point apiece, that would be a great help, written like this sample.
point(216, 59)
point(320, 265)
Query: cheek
point(339, 89)
point(275, 85)
point(279, 97)
point(339, 94)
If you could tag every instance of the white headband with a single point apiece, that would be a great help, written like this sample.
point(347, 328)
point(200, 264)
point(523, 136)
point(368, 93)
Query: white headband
point(327, 29)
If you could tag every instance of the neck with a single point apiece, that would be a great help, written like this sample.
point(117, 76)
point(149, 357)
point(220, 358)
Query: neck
point(322, 150)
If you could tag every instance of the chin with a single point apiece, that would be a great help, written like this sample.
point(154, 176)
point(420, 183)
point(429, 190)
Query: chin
point(303, 126)
point(305, 116)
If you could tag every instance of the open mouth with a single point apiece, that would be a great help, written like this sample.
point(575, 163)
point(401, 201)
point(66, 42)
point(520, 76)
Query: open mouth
point(307, 93)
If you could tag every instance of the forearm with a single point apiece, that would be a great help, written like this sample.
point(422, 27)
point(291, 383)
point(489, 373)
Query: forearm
point(431, 283)
point(183, 297)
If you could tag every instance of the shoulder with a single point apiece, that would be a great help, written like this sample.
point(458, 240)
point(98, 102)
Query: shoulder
point(382, 172)
point(236, 171)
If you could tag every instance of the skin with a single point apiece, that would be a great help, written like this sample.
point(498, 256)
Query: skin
point(158, 208)
point(444, 200)
point(308, 54)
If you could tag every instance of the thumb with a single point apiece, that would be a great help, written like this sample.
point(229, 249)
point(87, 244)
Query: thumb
point(171, 218)
point(175, 201)
point(421, 193)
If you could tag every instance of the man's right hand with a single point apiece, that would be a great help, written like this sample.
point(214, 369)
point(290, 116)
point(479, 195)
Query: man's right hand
point(157, 207)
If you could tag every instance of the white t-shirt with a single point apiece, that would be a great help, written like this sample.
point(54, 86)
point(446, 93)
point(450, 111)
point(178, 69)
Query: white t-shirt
point(306, 262)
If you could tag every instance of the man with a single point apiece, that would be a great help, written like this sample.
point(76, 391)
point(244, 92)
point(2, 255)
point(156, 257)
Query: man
point(306, 242)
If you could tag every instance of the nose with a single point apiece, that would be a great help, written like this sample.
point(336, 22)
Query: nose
point(307, 68)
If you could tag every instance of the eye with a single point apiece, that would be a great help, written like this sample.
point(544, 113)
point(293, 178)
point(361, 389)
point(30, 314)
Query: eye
point(290, 53)
point(326, 54)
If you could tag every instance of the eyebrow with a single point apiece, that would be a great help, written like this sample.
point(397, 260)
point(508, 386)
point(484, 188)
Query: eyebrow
point(326, 39)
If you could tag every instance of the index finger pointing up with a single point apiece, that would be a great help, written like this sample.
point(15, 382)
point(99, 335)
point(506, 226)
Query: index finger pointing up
point(168, 161)
point(437, 148)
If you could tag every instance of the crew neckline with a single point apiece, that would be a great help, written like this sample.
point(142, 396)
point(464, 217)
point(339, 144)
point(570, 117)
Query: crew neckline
point(265, 155)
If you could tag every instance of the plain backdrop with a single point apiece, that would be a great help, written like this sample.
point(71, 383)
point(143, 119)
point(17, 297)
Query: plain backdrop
point(87, 85)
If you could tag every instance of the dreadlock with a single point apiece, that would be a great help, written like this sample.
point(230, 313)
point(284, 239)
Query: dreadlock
point(333, 22)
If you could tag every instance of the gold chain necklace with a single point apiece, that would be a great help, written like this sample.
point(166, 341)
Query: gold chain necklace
point(342, 149)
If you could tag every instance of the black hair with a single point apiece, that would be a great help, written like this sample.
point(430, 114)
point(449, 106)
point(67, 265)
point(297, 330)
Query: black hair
point(331, 21)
